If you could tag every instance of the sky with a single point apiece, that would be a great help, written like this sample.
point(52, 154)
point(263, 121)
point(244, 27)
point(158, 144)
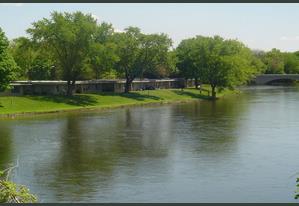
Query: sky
point(259, 26)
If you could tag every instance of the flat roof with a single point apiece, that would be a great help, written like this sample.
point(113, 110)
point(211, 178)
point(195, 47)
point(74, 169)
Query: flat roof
point(95, 81)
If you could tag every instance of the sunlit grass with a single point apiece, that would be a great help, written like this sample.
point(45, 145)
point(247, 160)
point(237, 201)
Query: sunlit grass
point(23, 104)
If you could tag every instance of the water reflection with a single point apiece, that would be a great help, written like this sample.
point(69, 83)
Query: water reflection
point(6, 144)
point(172, 153)
point(212, 126)
point(91, 147)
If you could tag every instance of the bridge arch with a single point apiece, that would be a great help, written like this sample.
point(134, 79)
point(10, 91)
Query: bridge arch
point(265, 79)
point(280, 81)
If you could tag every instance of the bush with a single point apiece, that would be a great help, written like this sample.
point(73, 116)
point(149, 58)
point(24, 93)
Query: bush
point(11, 192)
point(297, 191)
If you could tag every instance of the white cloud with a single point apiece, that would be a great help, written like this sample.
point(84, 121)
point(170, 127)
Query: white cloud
point(283, 38)
point(118, 30)
point(97, 18)
point(12, 4)
point(289, 38)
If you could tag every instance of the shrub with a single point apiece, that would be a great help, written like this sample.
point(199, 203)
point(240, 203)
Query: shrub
point(11, 192)
point(297, 191)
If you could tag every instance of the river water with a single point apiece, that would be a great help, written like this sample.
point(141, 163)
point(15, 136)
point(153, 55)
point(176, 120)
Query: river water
point(243, 148)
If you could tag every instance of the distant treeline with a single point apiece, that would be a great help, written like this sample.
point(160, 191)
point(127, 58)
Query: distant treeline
point(73, 46)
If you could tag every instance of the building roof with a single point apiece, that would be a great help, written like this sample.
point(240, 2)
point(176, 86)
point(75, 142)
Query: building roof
point(95, 81)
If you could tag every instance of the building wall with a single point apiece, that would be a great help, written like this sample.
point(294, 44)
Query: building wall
point(49, 88)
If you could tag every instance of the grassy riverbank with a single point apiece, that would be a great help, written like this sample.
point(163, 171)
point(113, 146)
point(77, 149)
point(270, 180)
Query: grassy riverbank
point(43, 104)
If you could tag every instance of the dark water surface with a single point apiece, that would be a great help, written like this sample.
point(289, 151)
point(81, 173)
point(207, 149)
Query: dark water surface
point(243, 148)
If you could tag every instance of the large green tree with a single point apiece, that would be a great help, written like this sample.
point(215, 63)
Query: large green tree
point(167, 69)
point(274, 61)
point(140, 52)
point(102, 58)
point(218, 62)
point(8, 67)
point(277, 62)
point(190, 62)
point(24, 54)
point(35, 61)
point(291, 63)
point(69, 36)
point(228, 63)
point(102, 53)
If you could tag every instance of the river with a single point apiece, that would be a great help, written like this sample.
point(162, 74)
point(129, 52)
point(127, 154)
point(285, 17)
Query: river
point(242, 148)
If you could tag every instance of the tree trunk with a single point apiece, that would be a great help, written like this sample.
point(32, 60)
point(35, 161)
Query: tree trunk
point(128, 85)
point(196, 83)
point(213, 91)
point(97, 74)
point(53, 74)
point(68, 92)
point(70, 87)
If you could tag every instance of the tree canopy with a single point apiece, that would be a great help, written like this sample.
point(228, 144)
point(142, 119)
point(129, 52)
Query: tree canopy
point(8, 67)
point(69, 36)
point(139, 53)
point(73, 46)
point(274, 62)
point(102, 55)
point(291, 63)
point(190, 58)
point(216, 61)
point(35, 61)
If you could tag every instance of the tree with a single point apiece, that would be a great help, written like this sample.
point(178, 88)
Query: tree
point(167, 69)
point(291, 63)
point(40, 69)
point(35, 61)
point(139, 53)
point(8, 67)
point(24, 54)
point(102, 54)
point(218, 62)
point(274, 62)
point(229, 63)
point(69, 36)
point(189, 53)
point(102, 58)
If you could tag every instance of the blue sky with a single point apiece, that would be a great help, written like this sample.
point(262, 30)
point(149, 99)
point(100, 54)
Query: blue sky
point(259, 26)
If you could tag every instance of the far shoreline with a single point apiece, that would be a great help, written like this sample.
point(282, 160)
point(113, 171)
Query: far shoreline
point(96, 109)
point(52, 104)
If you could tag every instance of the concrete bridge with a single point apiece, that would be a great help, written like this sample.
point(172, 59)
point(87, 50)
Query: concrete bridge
point(269, 78)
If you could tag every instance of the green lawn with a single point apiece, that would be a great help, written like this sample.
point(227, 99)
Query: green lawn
point(23, 104)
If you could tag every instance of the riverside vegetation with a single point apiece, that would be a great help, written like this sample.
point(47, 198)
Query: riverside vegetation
point(57, 49)
point(75, 46)
point(11, 192)
point(42, 104)
point(297, 191)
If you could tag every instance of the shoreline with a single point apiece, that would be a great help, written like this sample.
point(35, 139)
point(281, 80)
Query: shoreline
point(97, 109)
point(133, 103)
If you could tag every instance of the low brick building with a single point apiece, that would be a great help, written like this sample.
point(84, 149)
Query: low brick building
point(89, 86)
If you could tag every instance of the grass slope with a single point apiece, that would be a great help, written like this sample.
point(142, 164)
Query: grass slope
point(39, 104)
